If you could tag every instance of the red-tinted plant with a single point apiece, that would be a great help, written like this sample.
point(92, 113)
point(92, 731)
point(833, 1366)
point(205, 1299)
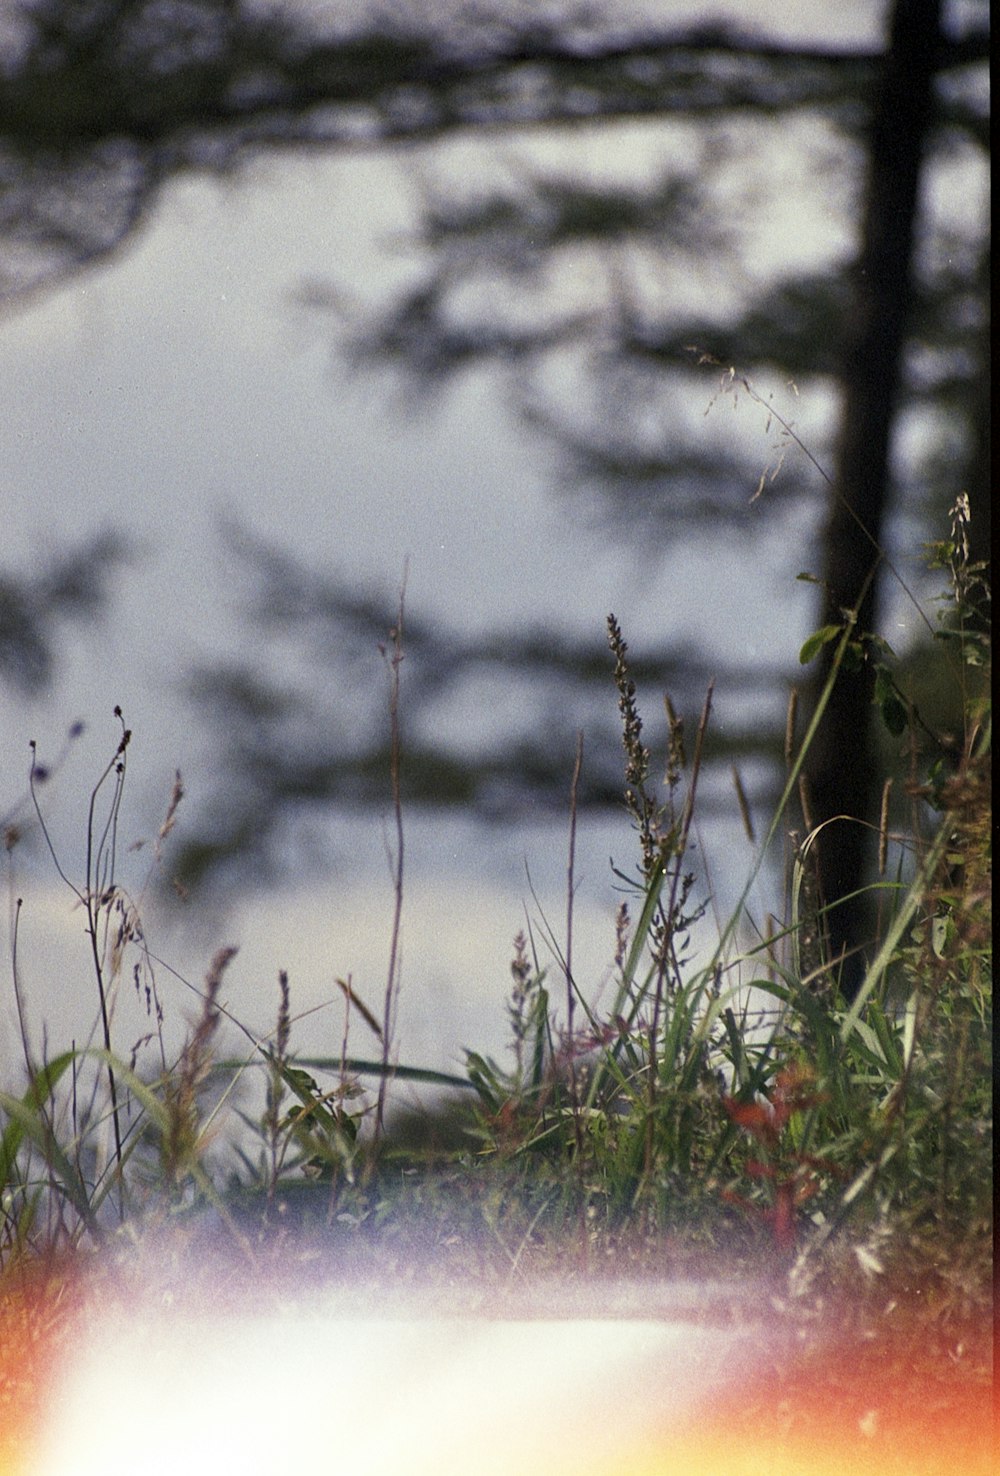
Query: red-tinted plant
point(793, 1176)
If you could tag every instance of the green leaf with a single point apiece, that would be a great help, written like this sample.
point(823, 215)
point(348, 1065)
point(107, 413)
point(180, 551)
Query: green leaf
point(485, 1076)
point(894, 714)
point(359, 1067)
point(942, 934)
point(29, 1108)
point(24, 1119)
point(853, 656)
point(815, 643)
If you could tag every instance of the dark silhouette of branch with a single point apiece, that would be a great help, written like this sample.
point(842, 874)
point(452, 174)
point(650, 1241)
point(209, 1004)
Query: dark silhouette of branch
point(68, 587)
point(101, 100)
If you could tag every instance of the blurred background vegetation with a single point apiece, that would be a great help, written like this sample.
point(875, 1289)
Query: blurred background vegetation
point(555, 254)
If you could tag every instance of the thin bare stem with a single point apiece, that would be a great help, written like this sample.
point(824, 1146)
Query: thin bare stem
point(18, 996)
point(744, 807)
point(731, 375)
point(570, 982)
point(94, 898)
point(666, 947)
point(93, 895)
point(395, 661)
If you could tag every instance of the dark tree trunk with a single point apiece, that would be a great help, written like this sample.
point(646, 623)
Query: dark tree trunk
point(842, 777)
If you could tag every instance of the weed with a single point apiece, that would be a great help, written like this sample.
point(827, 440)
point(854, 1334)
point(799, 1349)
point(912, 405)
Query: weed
point(707, 1098)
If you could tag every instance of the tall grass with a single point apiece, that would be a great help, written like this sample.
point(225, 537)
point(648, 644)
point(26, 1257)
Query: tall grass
point(733, 1098)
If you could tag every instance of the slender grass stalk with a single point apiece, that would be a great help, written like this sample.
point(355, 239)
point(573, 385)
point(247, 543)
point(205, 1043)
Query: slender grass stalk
point(27, 1119)
point(22, 1022)
point(791, 782)
point(681, 1099)
point(275, 1090)
point(395, 661)
point(571, 989)
point(916, 894)
point(665, 949)
point(98, 890)
point(730, 377)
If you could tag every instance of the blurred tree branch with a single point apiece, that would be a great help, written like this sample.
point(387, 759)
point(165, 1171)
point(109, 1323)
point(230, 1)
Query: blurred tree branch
point(572, 283)
point(102, 100)
point(68, 587)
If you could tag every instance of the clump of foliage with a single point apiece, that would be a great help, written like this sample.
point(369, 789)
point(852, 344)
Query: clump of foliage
point(735, 1100)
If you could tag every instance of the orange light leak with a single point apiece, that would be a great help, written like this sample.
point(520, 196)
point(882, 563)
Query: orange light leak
point(591, 1396)
point(856, 1412)
point(38, 1310)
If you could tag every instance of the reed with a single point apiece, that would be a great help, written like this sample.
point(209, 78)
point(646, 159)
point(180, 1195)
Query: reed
point(734, 1104)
